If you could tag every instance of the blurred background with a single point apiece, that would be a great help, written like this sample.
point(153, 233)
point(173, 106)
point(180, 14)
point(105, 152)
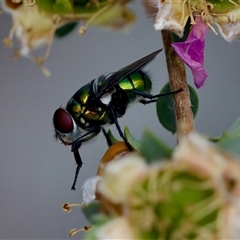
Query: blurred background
point(36, 172)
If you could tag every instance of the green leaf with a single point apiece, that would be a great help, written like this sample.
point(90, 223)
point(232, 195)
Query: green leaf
point(230, 140)
point(91, 210)
point(91, 235)
point(133, 142)
point(65, 29)
point(92, 213)
point(231, 145)
point(233, 131)
point(112, 138)
point(165, 108)
point(62, 6)
point(153, 149)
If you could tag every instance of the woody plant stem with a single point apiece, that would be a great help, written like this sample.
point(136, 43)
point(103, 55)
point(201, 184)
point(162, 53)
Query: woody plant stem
point(177, 80)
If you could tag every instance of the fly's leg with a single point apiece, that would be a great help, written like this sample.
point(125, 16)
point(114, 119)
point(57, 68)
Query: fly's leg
point(153, 98)
point(75, 146)
point(109, 142)
point(79, 165)
point(119, 129)
point(144, 101)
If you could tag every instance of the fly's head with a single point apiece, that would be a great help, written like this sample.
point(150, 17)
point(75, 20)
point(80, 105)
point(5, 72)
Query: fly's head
point(66, 129)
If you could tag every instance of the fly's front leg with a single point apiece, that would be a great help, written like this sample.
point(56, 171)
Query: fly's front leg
point(75, 146)
point(79, 165)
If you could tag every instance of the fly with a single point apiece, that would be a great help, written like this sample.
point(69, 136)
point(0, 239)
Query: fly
point(102, 101)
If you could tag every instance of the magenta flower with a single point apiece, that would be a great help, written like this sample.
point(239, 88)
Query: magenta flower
point(192, 51)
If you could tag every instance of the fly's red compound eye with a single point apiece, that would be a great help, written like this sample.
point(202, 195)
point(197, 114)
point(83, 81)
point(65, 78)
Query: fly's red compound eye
point(62, 121)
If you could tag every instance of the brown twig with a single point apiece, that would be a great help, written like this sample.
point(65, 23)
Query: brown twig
point(177, 80)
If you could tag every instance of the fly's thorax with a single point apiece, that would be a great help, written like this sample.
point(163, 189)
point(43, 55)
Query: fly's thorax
point(98, 116)
point(82, 95)
point(93, 112)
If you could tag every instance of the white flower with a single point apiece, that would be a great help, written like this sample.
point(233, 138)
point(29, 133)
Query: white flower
point(118, 228)
point(119, 176)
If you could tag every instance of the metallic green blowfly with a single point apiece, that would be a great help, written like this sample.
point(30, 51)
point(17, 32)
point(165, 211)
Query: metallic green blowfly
point(102, 101)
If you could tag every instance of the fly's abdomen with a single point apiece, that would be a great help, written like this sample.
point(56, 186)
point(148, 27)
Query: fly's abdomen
point(138, 81)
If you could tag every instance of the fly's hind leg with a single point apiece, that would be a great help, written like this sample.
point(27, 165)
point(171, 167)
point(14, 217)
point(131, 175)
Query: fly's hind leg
point(153, 98)
point(109, 142)
point(119, 129)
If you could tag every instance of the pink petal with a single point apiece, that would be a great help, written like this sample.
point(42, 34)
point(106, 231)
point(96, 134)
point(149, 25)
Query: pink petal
point(192, 51)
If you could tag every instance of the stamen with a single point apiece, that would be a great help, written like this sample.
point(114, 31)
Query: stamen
point(191, 13)
point(56, 19)
point(233, 3)
point(212, 28)
point(91, 2)
point(40, 61)
point(183, 13)
point(232, 18)
point(31, 3)
point(67, 207)
point(45, 71)
point(74, 231)
point(210, 5)
point(16, 54)
point(7, 42)
point(82, 30)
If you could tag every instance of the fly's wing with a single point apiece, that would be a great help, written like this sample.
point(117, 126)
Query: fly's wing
point(116, 77)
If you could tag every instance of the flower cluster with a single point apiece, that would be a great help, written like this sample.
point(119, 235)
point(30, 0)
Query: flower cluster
point(35, 21)
point(199, 189)
point(173, 16)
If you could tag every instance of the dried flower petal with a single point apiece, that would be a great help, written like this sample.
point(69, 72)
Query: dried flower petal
point(168, 15)
point(229, 24)
point(229, 31)
point(192, 51)
point(89, 189)
point(227, 18)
